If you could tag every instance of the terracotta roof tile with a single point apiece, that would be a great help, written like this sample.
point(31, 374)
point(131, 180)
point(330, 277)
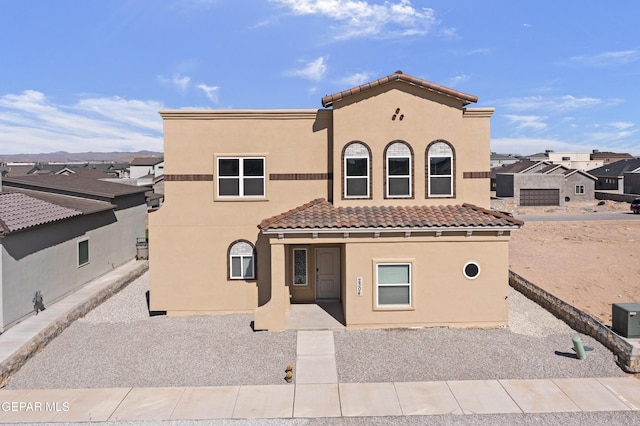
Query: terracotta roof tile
point(320, 214)
point(20, 211)
point(399, 76)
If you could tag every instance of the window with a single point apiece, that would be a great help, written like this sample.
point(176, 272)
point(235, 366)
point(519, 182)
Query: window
point(398, 167)
point(83, 252)
point(393, 285)
point(471, 270)
point(579, 189)
point(241, 177)
point(356, 171)
point(566, 158)
point(241, 260)
point(440, 163)
point(299, 266)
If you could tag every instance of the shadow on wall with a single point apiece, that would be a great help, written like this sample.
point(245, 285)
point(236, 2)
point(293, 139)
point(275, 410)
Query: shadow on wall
point(153, 313)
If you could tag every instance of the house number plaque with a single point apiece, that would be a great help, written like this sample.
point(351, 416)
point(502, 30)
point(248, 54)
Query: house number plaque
point(359, 286)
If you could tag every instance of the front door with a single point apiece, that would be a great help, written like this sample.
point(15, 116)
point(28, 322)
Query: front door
point(328, 273)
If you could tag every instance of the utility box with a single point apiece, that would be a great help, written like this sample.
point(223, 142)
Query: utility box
point(625, 319)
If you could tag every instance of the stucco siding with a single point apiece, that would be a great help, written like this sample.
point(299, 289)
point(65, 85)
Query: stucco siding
point(46, 258)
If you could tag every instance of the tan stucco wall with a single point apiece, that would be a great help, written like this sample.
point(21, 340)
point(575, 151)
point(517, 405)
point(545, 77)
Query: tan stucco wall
point(191, 233)
point(427, 117)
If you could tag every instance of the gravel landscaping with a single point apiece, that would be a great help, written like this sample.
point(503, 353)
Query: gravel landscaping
point(119, 345)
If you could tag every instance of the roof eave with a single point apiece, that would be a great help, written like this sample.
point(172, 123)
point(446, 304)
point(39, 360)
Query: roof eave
point(275, 231)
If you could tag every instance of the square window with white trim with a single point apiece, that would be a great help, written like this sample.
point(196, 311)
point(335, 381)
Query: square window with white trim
point(393, 284)
point(241, 177)
point(579, 189)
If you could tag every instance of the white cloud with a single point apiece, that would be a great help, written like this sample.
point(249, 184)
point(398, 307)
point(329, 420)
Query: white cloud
point(557, 103)
point(313, 70)
point(479, 51)
point(32, 123)
point(607, 58)
point(210, 91)
point(360, 18)
point(621, 125)
point(528, 122)
point(457, 80)
point(355, 79)
point(178, 81)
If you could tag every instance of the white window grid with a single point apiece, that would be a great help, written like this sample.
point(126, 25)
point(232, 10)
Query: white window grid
point(241, 177)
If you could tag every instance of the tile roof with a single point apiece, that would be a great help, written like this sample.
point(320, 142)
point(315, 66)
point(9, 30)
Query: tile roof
point(84, 205)
point(75, 183)
point(320, 214)
point(20, 211)
point(399, 76)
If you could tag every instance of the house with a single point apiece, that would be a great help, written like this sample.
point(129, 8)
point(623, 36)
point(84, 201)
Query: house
point(542, 183)
point(607, 157)
point(149, 168)
point(58, 232)
point(499, 160)
point(379, 202)
point(611, 177)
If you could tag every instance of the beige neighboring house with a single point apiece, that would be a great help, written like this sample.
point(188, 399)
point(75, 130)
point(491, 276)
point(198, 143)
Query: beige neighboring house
point(379, 202)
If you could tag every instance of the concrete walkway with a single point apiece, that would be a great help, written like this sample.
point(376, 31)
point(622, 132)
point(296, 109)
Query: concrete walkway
point(306, 400)
point(315, 391)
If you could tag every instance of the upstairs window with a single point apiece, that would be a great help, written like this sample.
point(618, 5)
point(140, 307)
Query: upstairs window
point(398, 170)
point(241, 261)
point(356, 171)
point(440, 162)
point(241, 177)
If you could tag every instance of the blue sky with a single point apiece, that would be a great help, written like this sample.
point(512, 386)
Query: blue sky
point(81, 75)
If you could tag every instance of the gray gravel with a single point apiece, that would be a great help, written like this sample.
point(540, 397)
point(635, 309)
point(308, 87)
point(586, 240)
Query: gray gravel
point(119, 345)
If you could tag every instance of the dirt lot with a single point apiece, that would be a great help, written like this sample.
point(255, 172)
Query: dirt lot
point(590, 264)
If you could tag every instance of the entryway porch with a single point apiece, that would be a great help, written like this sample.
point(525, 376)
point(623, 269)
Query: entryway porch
point(315, 316)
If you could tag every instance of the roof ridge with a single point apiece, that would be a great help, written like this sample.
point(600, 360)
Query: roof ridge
point(399, 75)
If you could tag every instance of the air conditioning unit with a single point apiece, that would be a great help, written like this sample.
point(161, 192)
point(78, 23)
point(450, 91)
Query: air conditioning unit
point(625, 319)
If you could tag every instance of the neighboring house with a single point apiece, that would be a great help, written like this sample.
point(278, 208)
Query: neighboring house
point(148, 169)
point(574, 160)
point(611, 178)
point(609, 157)
point(59, 232)
point(541, 156)
point(499, 160)
point(542, 183)
point(632, 182)
point(379, 202)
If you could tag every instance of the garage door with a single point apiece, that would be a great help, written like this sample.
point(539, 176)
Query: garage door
point(539, 197)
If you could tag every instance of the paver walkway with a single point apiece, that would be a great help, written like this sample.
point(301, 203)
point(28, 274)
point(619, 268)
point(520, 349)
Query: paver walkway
point(315, 392)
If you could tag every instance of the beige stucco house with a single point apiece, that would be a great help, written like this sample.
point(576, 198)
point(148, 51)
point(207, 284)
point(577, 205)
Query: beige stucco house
point(379, 201)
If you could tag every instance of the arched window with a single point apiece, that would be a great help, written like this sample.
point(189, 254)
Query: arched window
point(441, 167)
point(399, 170)
point(356, 165)
point(241, 260)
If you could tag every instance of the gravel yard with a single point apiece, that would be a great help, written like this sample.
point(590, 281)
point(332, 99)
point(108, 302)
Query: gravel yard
point(119, 345)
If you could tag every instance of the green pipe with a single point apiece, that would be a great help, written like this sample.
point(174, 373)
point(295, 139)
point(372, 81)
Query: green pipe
point(577, 345)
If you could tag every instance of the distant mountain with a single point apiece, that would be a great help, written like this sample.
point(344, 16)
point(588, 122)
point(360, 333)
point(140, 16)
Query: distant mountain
point(64, 157)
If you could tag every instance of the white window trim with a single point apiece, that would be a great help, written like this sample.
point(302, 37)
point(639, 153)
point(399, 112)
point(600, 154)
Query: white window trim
point(293, 267)
point(410, 285)
point(242, 257)
point(464, 270)
point(450, 176)
point(579, 190)
point(81, 240)
point(389, 177)
point(241, 176)
point(346, 177)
